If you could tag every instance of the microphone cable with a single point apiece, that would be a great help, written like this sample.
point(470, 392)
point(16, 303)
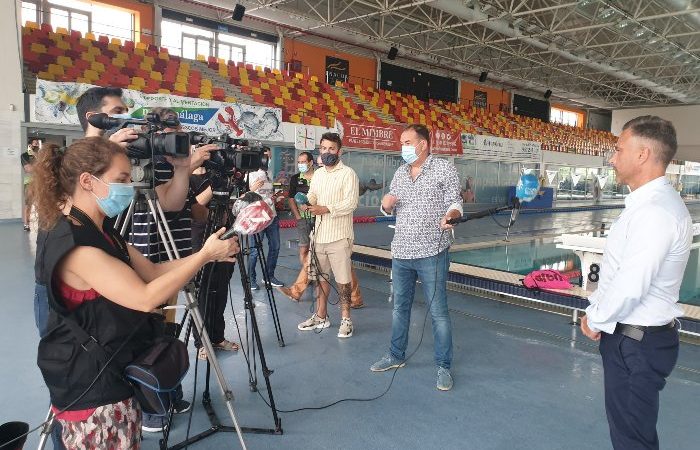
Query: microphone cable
point(393, 376)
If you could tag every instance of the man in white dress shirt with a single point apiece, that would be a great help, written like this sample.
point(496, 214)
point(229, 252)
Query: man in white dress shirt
point(633, 311)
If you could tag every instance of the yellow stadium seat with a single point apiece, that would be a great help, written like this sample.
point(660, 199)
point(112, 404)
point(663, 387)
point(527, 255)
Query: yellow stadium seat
point(141, 46)
point(45, 76)
point(205, 95)
point(286, 96)
point(149, 59)
point(31, 25)
point(294, 118)
point(113, 47)
point(256, 91)
point(278, 101)
point(156, 76)
point(181, 79)
point(116, 41)
point(83, 80)
point(37, 48)
point(206, 82)
point(63, 45)
point(64, 61)
point(61, 30)
point(145, 66)
point(140, 51)
point(315, 121)
point(97, 66)
point(117, 62)
point(91, 75)
point(90, 36)
point(201, 58)
point(182, 87)
point(265, 86)
point(163, 91)
point(230, 99)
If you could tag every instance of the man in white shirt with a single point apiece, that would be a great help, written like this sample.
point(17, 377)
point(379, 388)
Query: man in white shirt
point(633, 311)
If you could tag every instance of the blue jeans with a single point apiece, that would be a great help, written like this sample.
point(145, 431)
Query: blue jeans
point(432, 272)
point(41, 319)
point(273, 249)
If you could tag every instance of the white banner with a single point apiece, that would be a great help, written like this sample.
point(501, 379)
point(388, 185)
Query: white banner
point(574, 180)
point(551, 175)
point(491, 147)
point(691, 168)
point(602, 179)
point(55, 103)
point(304, 137)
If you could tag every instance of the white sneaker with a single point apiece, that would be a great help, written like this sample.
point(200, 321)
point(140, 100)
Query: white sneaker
point(314, 322)
point(345, 330)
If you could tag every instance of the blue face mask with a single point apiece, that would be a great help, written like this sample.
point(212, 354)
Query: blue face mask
point(118, 198)
point(408, 153)
point(303, 167)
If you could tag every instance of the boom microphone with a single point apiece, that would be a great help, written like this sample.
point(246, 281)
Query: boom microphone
point(525, 191)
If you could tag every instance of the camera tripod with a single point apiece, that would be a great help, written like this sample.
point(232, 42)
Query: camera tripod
point(215, 272)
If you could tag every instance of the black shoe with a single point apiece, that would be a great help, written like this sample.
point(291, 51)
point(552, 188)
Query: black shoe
point(26, 228)
point(275, 282)
point(182, 406)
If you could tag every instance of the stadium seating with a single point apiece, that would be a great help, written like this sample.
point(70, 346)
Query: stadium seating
point(69, 56)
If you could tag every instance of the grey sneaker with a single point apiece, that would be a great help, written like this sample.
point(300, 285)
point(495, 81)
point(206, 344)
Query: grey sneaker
point(386, 363)
point(314, 322)
point(444, 379)
point(275, 282)
point(345, 330)
point(254, 285)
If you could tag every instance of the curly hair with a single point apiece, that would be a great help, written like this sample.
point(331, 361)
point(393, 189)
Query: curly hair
point(57, 170)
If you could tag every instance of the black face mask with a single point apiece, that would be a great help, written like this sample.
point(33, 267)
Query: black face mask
point(329, 159)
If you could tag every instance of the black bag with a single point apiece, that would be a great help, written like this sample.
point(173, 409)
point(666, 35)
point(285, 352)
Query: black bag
point(157, 373)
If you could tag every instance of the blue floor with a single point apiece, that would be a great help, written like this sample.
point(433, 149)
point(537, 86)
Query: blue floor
point(524, 379)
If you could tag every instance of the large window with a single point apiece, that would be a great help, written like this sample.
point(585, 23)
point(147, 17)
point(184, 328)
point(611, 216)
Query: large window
point(85, 16)
point(30, 12)
point(565, 117)
point(189, 41)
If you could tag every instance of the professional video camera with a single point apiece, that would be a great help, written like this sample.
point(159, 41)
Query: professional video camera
point(151, 141)
point(233, 156)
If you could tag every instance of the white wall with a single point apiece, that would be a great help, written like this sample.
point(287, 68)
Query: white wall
point(11, 115)
point(684, 118)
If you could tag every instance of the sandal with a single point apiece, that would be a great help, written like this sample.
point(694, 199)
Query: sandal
point(226, 346)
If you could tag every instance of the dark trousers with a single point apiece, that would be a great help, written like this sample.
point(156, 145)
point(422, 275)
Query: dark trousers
point(214, 306)
point(635, 372)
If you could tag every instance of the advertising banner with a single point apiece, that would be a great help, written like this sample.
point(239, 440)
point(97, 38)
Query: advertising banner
point(337, 69)
point(55, 103)
point(364, 135)
point(445, 143)
point(305, 137)
point(491, 147)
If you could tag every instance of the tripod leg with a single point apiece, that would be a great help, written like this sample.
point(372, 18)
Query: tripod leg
point(46, 430)
point(268, 287)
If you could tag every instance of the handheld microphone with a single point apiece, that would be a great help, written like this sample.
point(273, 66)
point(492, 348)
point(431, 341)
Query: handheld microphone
point(301, 199)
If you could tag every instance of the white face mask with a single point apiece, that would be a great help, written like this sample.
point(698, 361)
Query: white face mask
point(408, 153)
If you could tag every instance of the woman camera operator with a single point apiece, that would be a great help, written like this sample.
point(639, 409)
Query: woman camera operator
point(102, 291)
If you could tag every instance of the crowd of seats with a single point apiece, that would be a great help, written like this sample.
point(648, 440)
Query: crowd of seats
point(63, 55)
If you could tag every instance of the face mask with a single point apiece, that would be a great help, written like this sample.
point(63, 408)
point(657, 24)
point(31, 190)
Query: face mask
point(408, 153)
point(303, 167)
point(118, 198)
point(329, 159)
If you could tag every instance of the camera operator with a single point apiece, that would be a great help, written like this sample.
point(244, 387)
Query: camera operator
point(101, 286)
point(260, 182)
point(144, 234)
point(333, 196)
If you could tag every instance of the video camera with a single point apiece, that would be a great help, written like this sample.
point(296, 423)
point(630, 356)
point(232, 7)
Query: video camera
point(151, 142)
point(234, 156)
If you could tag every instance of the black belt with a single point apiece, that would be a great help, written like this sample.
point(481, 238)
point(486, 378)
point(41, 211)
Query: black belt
point(637, 332)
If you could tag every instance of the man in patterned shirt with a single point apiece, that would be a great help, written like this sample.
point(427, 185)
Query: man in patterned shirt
point(424, 194)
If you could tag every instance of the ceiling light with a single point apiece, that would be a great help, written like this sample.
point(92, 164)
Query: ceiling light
point(679, 54)
point(583, 3)
point(654, 40)
point(518, 21)
point(607, 13)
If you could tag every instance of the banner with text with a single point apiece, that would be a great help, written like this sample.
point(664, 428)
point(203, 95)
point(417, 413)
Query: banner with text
point(55, 103)
point(491, 147)
point(445, 143)
point(364, 135)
